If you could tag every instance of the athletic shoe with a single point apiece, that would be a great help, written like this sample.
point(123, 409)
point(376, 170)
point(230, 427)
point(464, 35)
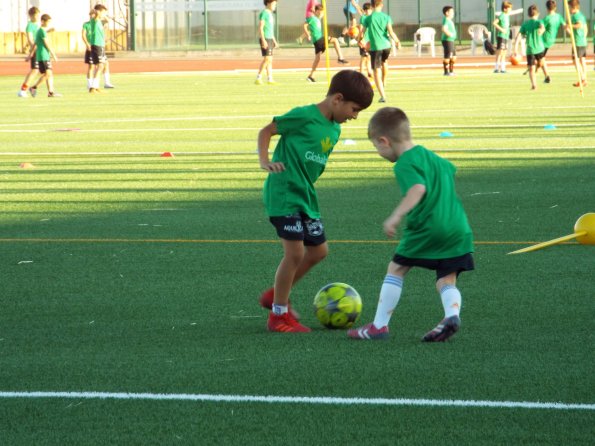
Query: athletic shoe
point(22, 94)
point(285, 324)
point(271, 82)
point(54, 95)
point(382, 100)
point(496, 71)
point(577, 84)
point(444, 330)
point(258, 81)
point(266, 301)
point(343, 61)
point(33, 92)
point(368, 332)
point(503, 72)
point(547, 80)
point(341, 40)
point(106, 86)
point(353, 42)
point(310, 79)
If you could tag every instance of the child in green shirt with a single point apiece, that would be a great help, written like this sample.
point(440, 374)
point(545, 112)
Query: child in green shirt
point(552, 22)
point(43, 53)
point(31, 31)
point(533, 30)
point(436, 236)
point(578, 26)
point(449, 35)
point(267, 40)
point(502, 25)
point(308, 135)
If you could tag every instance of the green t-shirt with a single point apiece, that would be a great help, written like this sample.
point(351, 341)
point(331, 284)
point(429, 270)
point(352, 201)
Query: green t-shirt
point(268, 18)
point(450, 26)
point(552, 23)
point(376, 25)
point(437, 227)
point(580, 36)
point(530, 29)
point(307, 139)
point(88, 30)
point(504, 22)
point(32, 28)
point(41, 53)
point(97, 34)
point(315, 27)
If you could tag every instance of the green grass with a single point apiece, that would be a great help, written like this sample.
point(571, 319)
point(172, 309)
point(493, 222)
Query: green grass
point(127, 272)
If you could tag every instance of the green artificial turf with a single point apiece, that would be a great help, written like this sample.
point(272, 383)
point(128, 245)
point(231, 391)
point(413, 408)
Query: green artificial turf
point(124, 271)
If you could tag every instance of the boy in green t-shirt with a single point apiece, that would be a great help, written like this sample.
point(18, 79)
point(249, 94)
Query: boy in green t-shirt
point(449, 35)
point(43, 52)
point(313, 30)
point(378, 28)
point(266, 38)
point(578, 26)
point(436, 236)
point(502, 25)
point(552, 22)
point(533, 30)
point(97, 41)
point(30, 32)
point(308, 135)
point(364, 61)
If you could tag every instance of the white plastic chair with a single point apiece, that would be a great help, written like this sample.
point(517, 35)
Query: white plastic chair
point(478, 33)
point(425, 36)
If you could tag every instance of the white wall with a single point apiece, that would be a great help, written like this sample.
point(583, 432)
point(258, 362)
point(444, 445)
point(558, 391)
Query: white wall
point(67, 15)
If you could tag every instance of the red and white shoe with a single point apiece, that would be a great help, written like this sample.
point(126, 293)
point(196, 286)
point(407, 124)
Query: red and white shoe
point(285, 324)
point(266, 301)
point(368, 332)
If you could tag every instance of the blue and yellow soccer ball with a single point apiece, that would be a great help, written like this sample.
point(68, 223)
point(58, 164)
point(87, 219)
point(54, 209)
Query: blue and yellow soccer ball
point(337, 305)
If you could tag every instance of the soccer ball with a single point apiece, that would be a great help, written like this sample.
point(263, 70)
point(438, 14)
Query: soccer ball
point(337, 305)
point(515, 60)
point(353, 32)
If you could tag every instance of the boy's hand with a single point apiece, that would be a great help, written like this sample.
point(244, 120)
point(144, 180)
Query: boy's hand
point(273, 167)
point(390, 225)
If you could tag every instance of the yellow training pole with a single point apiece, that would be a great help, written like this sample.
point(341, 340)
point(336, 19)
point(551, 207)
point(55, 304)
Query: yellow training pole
point(550, 243)
point(577, 64)
point(328, 57)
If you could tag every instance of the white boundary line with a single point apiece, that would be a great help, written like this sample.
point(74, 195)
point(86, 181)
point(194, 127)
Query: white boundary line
point(271, 399)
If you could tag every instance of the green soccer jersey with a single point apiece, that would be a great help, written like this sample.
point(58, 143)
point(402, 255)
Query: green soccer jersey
point(32, 27)
point(530, 29)
point(504, 22)
point(307, 140)
point(97, 33)
point(376, 25)
point(437, 227)
point(268, 18)
point(450, 26)
point(315, 27)
point(41, 53)
point(580, 36)
point(88, 30)
point(552, 23)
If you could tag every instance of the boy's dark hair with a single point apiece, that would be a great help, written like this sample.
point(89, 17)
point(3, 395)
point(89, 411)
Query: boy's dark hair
point(446, 9)
point(99, 7)
point(376, 3)
point(551, 5)
point(45, 18)
point(367, 6)
point(506, 5)
point(354, 87)
point(532, 10)
point(266, 2)
point(33, 10)
point(318, 8)
point(390, 122)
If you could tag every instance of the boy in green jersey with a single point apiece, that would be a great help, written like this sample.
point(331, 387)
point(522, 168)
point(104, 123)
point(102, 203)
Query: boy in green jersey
point(378, 28)
point(308, 135)
point(266, 33)
point(578, 26)
point(552, 22)
point(533, 30)
point(502, 25)
point(43, 52)
point(31, 31)
point(449, 35)
point(97, 40)
point(436, 235)
point(364, 61)
point(87, 36)
point(313, 30)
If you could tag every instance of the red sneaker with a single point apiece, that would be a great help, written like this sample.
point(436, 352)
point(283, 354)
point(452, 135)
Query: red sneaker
point(576, 84)
point(285, 324)
point(368, 331)
point(266, 301)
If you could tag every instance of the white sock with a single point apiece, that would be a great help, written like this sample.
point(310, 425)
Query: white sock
point(451, 300)
point(106, 78)
point(280, 310)
point(390, 293)
point(88, 83)
point(96, 82)
point(497, 66)
point(503, 65)
point(258, 76)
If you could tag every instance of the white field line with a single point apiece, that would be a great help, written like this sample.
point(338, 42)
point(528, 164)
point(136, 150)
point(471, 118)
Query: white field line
point(271, 399)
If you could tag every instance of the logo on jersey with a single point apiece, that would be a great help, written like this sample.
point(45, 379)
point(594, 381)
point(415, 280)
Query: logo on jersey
point(316, 158)
point(326, 145)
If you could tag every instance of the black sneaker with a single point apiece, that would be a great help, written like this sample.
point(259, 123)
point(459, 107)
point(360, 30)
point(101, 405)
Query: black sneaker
point(343, 61)
point(547, 80)
point(310, 79)
point(444, 330)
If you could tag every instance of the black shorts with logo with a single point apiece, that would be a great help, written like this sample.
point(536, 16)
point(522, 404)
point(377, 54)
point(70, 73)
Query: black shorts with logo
point(34, 64)
point(44, 65)
point(377, 58)
point(443, 267)
point(267, 51)
point(299, 226)
point(501, 43)
point(533, 59)
point(88, 57)
point(98, 54)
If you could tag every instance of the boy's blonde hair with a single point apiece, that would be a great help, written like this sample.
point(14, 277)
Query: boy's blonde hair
point(390, 122)
point(506, 5)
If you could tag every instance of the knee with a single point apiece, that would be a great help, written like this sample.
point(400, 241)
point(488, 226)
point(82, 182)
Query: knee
point(318, 254)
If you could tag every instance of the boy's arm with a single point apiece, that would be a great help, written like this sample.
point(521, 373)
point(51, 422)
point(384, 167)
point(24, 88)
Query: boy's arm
point(446, 31)
point(31, 39)
point(50, 50)
point(411, 199)
point(85, 41)
point(393, 36)
point(263, 41)
point(264, 141)
point(496, 24)
point(360, 11)
point(33, 48)
point(307, 31)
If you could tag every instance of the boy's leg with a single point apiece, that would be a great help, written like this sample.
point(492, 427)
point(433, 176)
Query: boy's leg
point(445, 63)
point(335, 43)
point(451, 65)
point(293, 255)
point(314, 66)
point(451, 302)
point(532, 77)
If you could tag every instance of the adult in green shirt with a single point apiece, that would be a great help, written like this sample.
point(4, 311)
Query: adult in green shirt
point(30, 32)
point(533, 30)
point(436, 235)
point(578, 26)
point(378, 28)
point(308, 136)
point(449, 35)
point(267, 40)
